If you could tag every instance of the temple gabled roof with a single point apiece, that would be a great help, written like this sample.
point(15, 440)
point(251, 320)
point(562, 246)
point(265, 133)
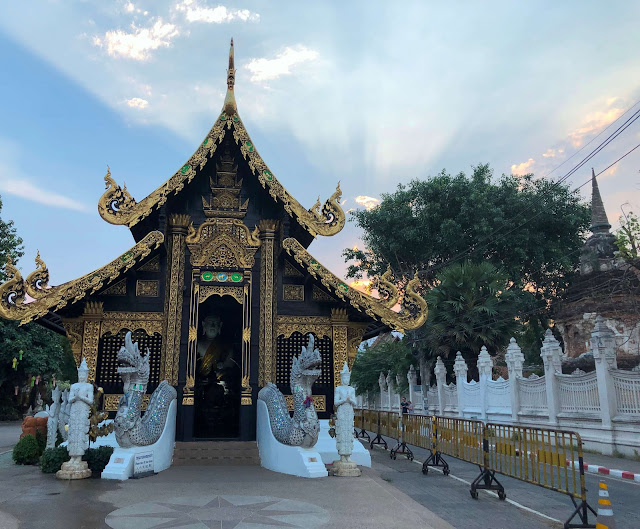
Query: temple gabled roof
point(117, 206)
point(13, 305)
point(414, 307)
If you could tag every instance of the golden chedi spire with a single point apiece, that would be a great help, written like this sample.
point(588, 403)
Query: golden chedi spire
point(230, 107)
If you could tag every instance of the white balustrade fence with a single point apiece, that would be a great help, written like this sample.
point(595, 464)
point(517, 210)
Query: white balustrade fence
point(602, 406)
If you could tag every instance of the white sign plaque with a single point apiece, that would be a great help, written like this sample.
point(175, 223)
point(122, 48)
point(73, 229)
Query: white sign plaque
point(143, 465)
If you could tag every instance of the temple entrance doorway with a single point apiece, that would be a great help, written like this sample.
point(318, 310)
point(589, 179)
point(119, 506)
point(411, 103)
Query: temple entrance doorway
point(218, 384)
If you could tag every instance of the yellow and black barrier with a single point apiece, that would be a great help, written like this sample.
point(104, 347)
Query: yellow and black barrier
point(361, 422)
point(540, 456)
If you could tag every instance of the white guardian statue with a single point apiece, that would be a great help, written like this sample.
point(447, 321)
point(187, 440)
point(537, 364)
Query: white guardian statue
point(344, 400)
point(80, 399)
point(52, 421)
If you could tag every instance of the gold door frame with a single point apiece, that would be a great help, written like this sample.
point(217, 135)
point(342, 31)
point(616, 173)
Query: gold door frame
point(199, 293)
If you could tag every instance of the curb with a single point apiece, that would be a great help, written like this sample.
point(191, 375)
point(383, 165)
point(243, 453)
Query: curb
point(595, 469)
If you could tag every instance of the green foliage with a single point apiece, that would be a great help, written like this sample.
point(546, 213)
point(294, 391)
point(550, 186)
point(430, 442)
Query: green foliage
point(628, 236)
point(27, 451)
point(471, 305)
point(44, 353)
point(10, 245)
point(389, 356)
point(423, 225)
point(41, 439)
point(52, 459)
point(97, 458)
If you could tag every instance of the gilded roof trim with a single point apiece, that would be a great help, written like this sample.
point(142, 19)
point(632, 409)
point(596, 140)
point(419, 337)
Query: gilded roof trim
point(12, 292)
point(117, 206)
point(414, 308)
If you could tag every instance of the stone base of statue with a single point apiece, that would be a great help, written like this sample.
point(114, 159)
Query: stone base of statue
point(326, 447)
point(75, 468)
point(157, 456)
point(344, 467)
point(293, 460)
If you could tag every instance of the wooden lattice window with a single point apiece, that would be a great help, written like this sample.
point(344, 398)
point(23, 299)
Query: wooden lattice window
point(288, 347)
point(106, 373)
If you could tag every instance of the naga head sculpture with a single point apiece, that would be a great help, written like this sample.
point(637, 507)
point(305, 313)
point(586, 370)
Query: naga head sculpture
point(133, 365)
point(305, 368)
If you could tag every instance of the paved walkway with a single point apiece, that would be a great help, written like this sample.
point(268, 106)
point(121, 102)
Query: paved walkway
point(9, 435)
point(206, 497)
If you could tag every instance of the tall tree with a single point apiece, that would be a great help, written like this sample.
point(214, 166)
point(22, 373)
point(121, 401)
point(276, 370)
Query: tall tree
point(531, 228)
point(10, 244)
point(470, 306)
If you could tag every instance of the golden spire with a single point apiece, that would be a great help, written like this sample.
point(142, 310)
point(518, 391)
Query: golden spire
point(230, 101)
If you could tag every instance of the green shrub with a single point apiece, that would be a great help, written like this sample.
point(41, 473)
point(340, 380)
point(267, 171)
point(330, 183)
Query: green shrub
point(26, 451)
point(97, 458)
point(41, 439)
point(52, 459)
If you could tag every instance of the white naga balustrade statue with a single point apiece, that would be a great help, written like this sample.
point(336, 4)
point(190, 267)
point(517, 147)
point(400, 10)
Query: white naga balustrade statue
point(602, 406)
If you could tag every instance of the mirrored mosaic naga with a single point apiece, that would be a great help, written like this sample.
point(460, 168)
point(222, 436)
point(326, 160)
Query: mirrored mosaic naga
point(132, 428)
point(303, 428)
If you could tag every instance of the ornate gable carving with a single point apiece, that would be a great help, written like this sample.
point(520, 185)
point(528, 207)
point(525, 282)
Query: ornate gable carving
point(223, 243)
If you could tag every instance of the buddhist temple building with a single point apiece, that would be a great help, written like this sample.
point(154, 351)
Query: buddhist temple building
point(219, 287)
point(605, 286)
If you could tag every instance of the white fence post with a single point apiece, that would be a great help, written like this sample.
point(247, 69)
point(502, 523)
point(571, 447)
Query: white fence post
point(412, 379)
point(603, 348)
point(390, 387)
point(515, 360)
point(382, 382)
point(441, 379)
point(551, 354)
point(460, 369)
point(485, 366)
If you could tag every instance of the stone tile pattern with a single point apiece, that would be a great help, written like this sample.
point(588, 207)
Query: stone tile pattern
point(220, 512)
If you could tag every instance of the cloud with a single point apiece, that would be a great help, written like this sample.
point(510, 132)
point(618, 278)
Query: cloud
point(268, 69)
point(140, 42)
point(137, 102)
point(368, 202)
point(594, 122)
point(523, 168)
point(25, 189)
point(214, 15)
point(552, 153)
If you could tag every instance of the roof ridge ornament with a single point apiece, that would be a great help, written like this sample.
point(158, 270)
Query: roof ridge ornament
point(230, 107)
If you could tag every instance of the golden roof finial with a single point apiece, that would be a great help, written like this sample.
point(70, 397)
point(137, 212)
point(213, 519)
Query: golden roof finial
point(230, 101)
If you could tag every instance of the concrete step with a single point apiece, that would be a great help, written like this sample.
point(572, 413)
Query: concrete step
point(216, 453)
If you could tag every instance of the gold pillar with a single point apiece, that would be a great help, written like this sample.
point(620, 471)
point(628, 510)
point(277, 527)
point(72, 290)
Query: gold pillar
point(246, 399)
point(268, 302)
point(339, 327)
point(178, 225)
point(194, 308)
point(93, 315)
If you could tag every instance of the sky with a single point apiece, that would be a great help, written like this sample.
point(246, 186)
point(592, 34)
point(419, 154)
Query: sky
point(371, 94)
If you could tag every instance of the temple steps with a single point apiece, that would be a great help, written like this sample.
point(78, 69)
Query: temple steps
point(216, 453)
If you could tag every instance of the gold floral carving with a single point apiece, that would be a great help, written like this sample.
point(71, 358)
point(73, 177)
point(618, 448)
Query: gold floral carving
point(267, 344)
point(152, 265)
point(320, 295)
point(354, 339)
point(117, 289)
point(194, 306)
point(293, 292)
point(37, 282)
point(414, 308)
point(291, 271)
point(188, 400)
point(12, 292)
point(90, 342)
point(206, 291)
point(318, 325)
point(110, 401)
point(178, 225)
point(117, 206)
point(150, 322)
point(319, 401)
point(221, 242)
point(147, 288)
point(75, 330)
point(339, 322)
point(246, 400)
